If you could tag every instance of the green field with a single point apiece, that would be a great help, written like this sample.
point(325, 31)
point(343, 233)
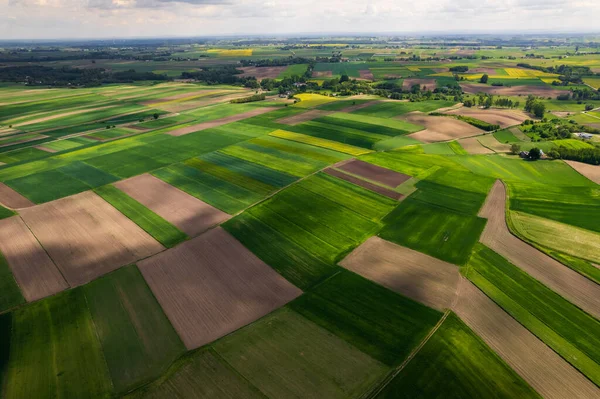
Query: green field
point(53, 350)
point(10, 294)
point(392, 109)
point(434, 230)
point(137, 339)
point(565, 328)
point(163, 231)
point(505, 136)
point(456, 363)
point(284, 347)
point(379, 322)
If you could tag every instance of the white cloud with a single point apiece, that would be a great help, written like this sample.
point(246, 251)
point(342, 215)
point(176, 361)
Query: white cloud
point(115, 18)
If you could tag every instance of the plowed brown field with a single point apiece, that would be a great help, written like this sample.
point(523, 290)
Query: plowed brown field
point(188, 213)
point(212, 285)
point(502, 117)
point(410, 273)
point(473, 146)
point(592, 172)
point(303, 117)
point(12, 199)
point(439, 128)
point(86, 237)
point(34, 271)
point(376, 173)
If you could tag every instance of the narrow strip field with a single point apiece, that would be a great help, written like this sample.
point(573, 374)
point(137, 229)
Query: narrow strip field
point(550, 375)
point(219, 122)
point(212, 285)
point(87, 237)
point(363, 183)
point(564, 281)
point(503, 117)
point(303, 117)
point(34, 271)
point(189, 214)
point(410, 273)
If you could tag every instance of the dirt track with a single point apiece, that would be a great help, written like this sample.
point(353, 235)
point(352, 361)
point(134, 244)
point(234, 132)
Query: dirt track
point(564, 281)
point(408, 272)
point(375, 173)
point(592, 172)
point(473, 146)
point(12, 199)
point(188, 213)
point(495, 116)
point(212, 285)
point(219, 122)
point(34, 271)
point(549, 374)
point(86, 237)
point(303, 117)
point(439, 128)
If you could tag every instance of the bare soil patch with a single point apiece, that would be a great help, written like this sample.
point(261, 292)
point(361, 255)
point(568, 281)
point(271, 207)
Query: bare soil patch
point(549, 374)
point(540, 91)
point(473, 146)
point(489, 71)
point(366, 74)
point(63, 115)
point(556, 276)
point(411, 273)
point(426, 84)
point(219, 122)
point(261, 73)
point(303, 117)
point(364, 184)
point(34, 271)
point(12, 199)
point(212, 285)
point(562, 114)
point(41, 147)
point(495, 116)
point(37, 137)
point(439, 128)
point(592, 172)
point(356, 107)
point(376, 173)
point(189, 214)
point(86, 237)
point(182, 96)
point(322, 74)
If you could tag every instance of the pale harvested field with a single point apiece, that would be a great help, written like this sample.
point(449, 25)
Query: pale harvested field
point(429, 84)
point(495, 116)
point(86, 237)
point(34, 271)
point(200, 102)
point(364, 184)
point(12, 199)
point(490, 141)
point(219, 122)
point(564, 281)
point(212, 285)
point(549, 374)
point(189, 214)
point(261, 73)
point(473, 146)
point(592, 172)
point(375, 173)
point(63, 115)
point(439, 128)
point(366, 74)
point(303, 117)
point(539, 91)
point(41, 147)
point(322, 74)
point(411, 273)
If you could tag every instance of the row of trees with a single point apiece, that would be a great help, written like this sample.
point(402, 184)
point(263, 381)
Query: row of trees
point(586, 155)
point(535, 106)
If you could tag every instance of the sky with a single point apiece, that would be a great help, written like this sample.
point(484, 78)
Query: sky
point(83, 19)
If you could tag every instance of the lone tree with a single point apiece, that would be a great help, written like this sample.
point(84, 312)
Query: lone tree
point(155, 115)
point(484, 78)
point(515, 149)
point(538, 109)
point(535, 154)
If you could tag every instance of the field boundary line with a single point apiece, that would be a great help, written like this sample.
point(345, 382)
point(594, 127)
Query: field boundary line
point(373, 392)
